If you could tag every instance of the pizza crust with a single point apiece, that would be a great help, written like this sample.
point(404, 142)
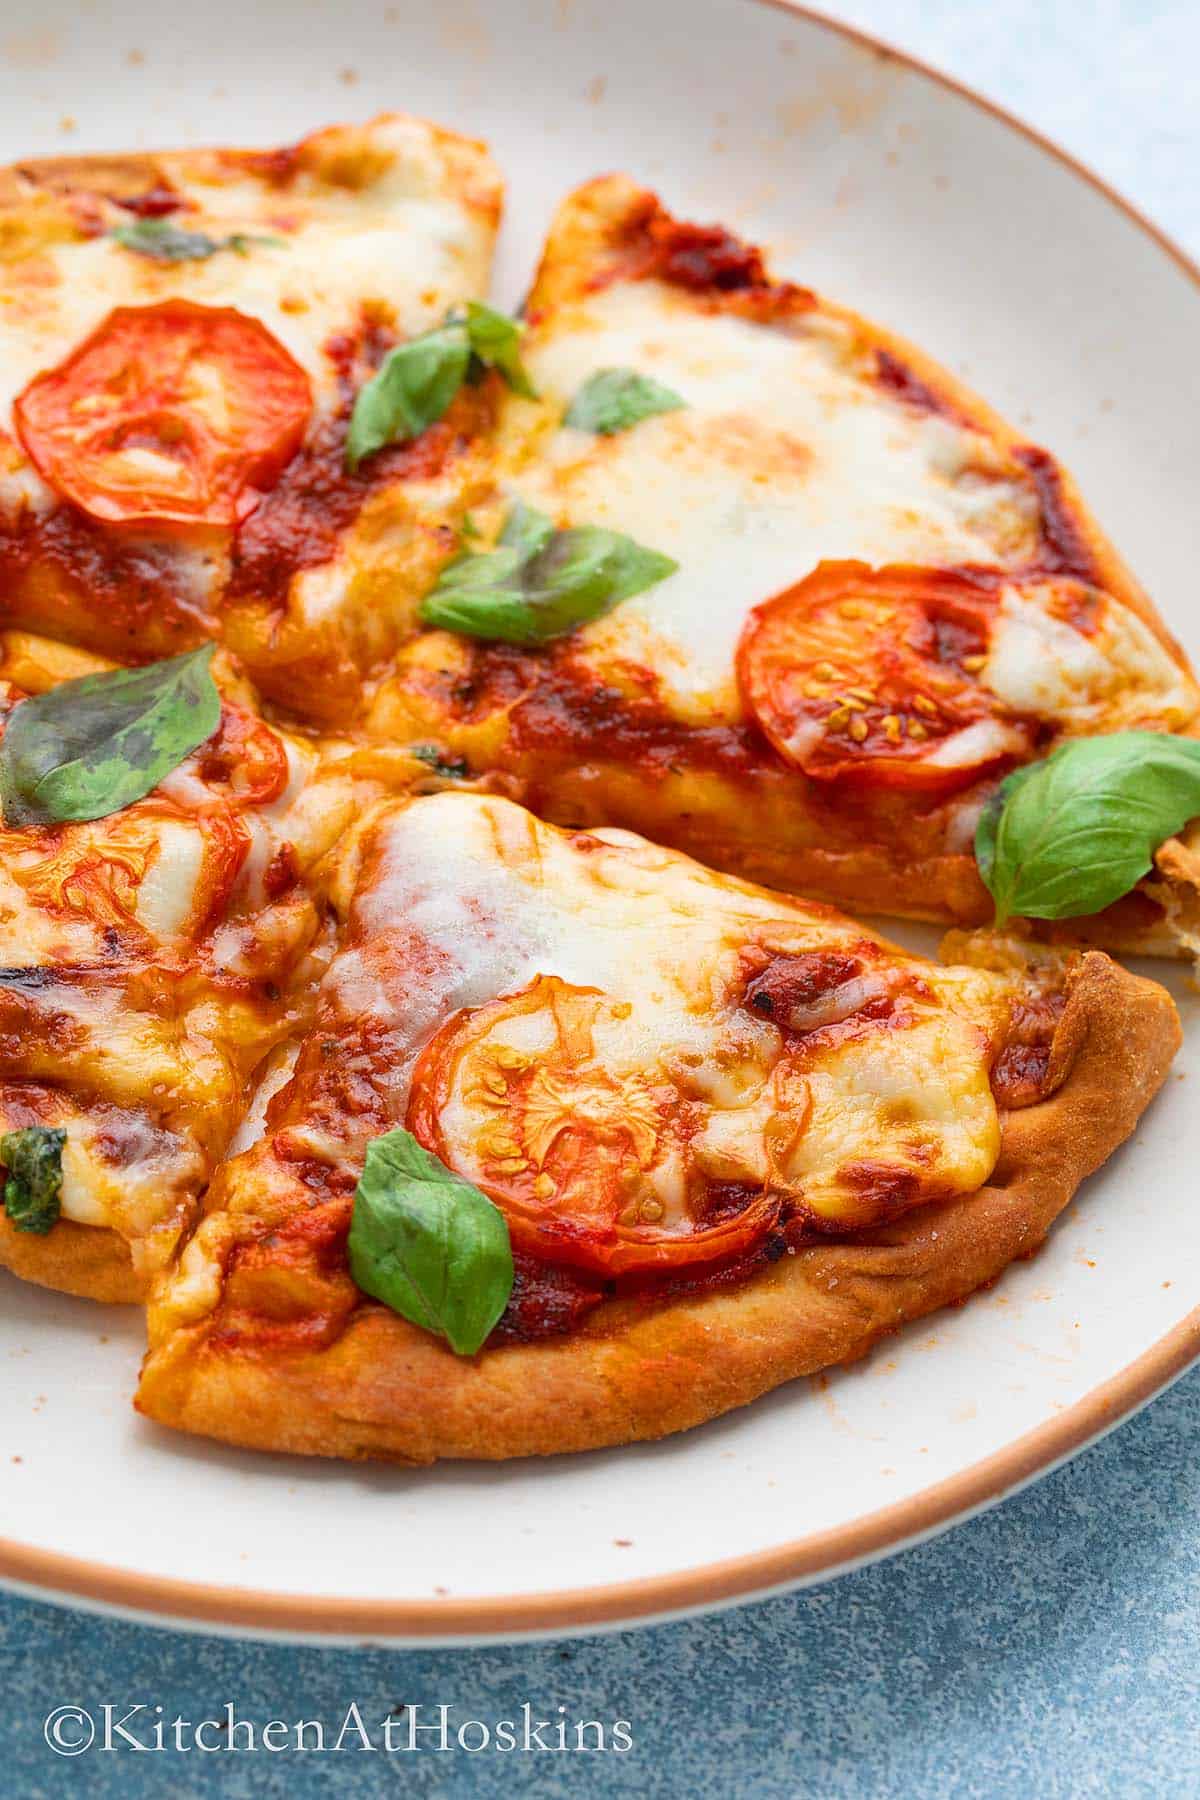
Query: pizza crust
point(386, 1389)
point(92, 1261)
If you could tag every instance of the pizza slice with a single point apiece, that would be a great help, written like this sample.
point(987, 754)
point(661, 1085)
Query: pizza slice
point(155, 922)
point(183, 338)
point(588, 1143)
point(764, 583)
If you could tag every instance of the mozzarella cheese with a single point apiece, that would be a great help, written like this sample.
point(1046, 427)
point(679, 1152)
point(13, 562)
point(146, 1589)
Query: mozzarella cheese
point(782, 457)
point(389, 224)
point(115, 948)
point(465, 900)
point(1115, 678)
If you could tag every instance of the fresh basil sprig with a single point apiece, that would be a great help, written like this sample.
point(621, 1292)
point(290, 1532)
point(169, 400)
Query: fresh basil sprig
point(612, 400)
point(414, 385)
point(496, 344)
point(429, 1244)
point(164, 241)
point(541, 583)
point(33, 1191)
point(87, 748)
point(1066, 837)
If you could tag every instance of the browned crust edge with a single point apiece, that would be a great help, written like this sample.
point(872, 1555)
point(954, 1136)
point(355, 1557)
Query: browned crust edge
point(122, 175)
point(92, 1261)
point(385, 1389)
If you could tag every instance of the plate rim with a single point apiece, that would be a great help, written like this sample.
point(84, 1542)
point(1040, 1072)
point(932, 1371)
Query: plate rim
point(172, 1601)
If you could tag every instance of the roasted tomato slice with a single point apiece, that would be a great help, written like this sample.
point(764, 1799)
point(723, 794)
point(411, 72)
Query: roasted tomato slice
point(543, 1100)
point(244, 762)
point(175, 412)
point(873, 675)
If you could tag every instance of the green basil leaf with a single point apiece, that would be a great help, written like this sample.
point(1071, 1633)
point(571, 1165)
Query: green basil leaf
point(411, 390)
point(1066, 837)
point(496, 341)
point(527, 530)
point(544, 584)
point(89, 747)
point(429, 1244)
point(164, 241)
point(417, 381)
point(453, 767)
point(612, 400)
point(33, 1191)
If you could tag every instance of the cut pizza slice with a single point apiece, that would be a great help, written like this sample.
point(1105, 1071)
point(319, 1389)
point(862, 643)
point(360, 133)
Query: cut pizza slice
point(183, 338)
point(767, 585)
point(154, 924)
point(588, 1144)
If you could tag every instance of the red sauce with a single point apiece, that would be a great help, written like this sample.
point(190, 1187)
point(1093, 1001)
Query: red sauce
point(155, 203)
point(563, 709)
point(897, 378)
point(702, 256)
point(299, 523)
point(883, 1186)
point(1020, 1072)
point(1065, 550)
point(278, 167)
point(706, 259)
point(66, 574)
point(792, 981)
point(546, 1301)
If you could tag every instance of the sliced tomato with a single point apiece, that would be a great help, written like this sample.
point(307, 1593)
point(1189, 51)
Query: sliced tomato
point(244, 762)
point(175, 412)
point(873, 674)
point(589, 1166)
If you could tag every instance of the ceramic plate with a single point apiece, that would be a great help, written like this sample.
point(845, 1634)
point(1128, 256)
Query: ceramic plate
point(916, 203)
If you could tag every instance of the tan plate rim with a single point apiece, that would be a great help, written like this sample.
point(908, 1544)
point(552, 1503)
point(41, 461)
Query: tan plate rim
point(47, 1574)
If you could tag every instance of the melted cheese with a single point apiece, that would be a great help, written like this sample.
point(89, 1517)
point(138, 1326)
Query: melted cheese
point(783, 457)
point(1116, 678)
point(394, 220)
point(99, 923)
point(466, 900)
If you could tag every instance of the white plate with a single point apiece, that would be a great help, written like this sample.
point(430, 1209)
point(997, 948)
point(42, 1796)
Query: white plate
point(912, 201)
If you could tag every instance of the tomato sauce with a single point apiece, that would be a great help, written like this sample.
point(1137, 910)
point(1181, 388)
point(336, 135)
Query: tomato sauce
point(1065, 549)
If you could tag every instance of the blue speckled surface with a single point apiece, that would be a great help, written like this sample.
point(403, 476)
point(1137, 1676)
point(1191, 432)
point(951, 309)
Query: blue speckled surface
point(1050, 1648)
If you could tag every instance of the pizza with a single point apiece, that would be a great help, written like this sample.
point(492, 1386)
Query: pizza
point(146, 971)
point(433, 747)
point(181, 338)
point(716, 1138)
point(872, 599)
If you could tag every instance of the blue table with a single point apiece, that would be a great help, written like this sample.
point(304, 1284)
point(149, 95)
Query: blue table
point(1049, 1648)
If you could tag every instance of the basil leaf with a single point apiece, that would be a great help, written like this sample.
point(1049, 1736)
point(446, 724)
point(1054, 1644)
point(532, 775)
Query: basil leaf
point(87, 748)
point(496, 341)
point(527, 530)
point(612, 400)
point(1066, 837)
point(416, 381)
point(543, 584)
point(429, 1244)
point(453, 767)
point(411, 390)
point(33, 1191)
point(165, 241)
